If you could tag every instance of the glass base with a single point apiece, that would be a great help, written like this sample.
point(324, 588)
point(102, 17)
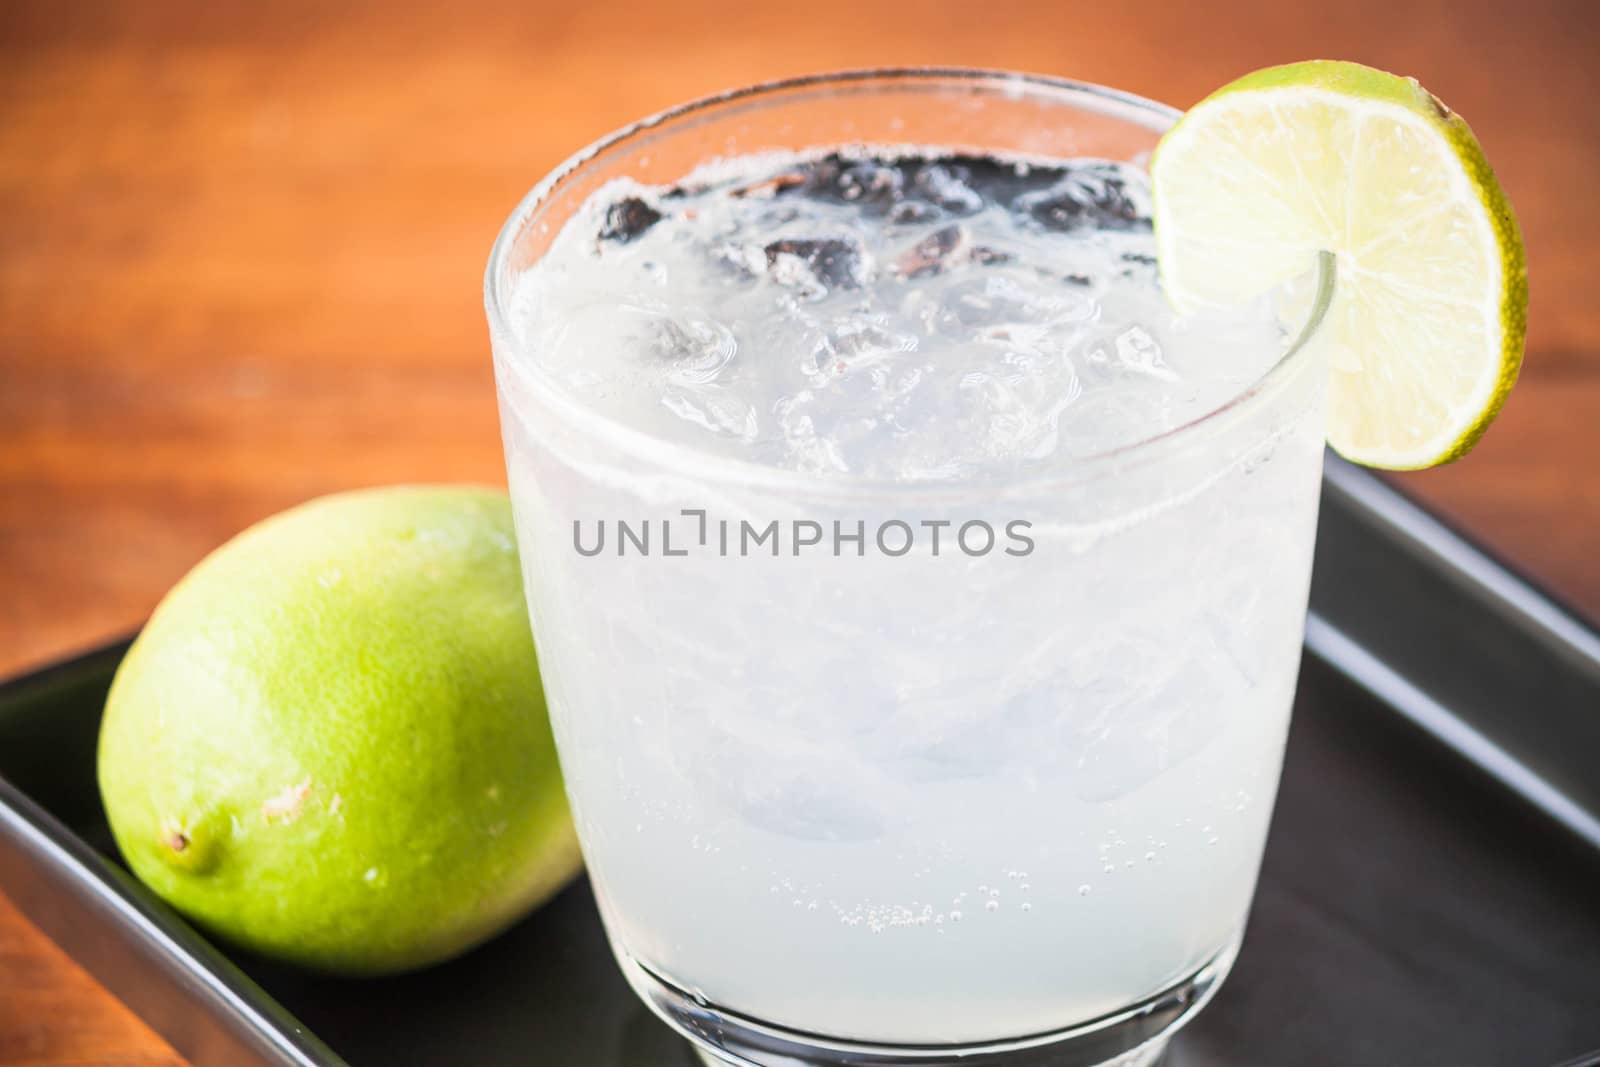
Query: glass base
point(1145, 1056)
point(1136, 1036)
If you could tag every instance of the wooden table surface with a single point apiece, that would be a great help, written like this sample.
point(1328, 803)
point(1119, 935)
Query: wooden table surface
point(241, 247)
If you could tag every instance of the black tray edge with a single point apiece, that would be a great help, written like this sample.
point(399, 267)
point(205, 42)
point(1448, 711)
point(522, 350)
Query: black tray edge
point(1467, 562)
point(1334, 647)
point(1546, 769)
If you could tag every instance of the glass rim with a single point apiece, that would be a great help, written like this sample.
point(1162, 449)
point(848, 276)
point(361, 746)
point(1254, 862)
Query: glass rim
point(707, 465)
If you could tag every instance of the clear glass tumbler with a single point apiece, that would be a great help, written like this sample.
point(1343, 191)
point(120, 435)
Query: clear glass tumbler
point(973, 808)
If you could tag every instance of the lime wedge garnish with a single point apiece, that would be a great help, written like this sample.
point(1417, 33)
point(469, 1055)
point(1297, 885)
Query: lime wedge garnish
point(1431, 287)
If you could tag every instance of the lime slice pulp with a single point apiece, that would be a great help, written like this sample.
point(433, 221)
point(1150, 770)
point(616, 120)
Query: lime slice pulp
point(1430, 304)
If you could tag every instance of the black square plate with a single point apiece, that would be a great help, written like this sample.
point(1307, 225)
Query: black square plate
point(1431, 891)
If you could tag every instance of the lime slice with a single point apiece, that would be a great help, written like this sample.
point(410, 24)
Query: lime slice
point(1431, 289)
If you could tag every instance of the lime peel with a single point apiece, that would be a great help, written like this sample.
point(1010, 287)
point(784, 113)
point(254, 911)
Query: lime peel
point(355, 775)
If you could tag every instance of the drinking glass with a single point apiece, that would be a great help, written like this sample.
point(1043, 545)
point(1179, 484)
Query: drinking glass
point(850, 805)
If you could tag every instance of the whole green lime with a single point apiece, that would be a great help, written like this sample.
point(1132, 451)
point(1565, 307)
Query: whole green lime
point(330, 744)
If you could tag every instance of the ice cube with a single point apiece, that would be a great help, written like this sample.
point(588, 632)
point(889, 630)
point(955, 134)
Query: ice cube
point(1138, 351)
point(786, 785)
point(1142, 734)
point(697, 348)
point(934, 253)
point(854, 345)
point(955, 730)
point(714, 408)
point(1098, 196)
point(807, 450)
point(628, 218)
point(815, 266)
point(1011, 299)
point(945, 185)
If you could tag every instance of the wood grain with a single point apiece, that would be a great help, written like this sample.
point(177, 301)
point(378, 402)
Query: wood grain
point(241, 249)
